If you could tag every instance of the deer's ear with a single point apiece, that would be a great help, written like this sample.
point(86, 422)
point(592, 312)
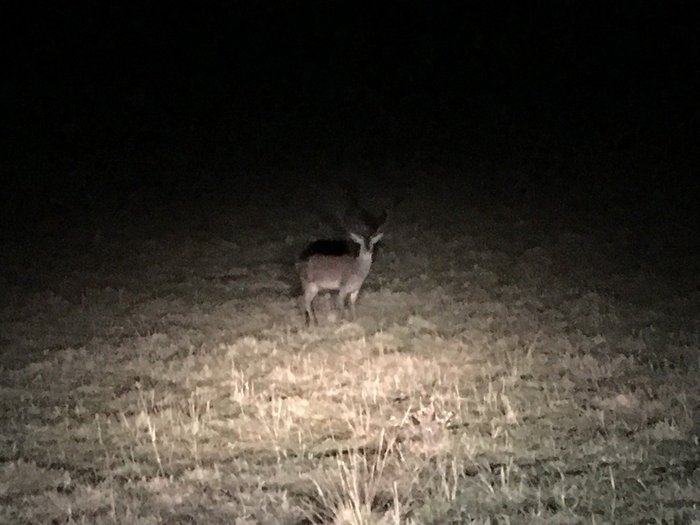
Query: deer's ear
point(357, 238)
point(376, 238)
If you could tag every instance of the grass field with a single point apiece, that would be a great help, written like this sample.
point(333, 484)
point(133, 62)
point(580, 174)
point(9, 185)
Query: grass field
point(511, 363)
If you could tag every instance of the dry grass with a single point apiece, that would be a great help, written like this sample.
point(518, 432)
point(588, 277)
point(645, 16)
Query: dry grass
point(499, 372)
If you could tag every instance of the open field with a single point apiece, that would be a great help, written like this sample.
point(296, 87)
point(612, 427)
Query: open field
point(510, 364)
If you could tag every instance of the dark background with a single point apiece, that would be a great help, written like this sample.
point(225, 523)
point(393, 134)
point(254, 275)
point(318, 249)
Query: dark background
point(589, 104)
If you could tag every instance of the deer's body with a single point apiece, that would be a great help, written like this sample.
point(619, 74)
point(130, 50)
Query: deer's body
point(344, 273)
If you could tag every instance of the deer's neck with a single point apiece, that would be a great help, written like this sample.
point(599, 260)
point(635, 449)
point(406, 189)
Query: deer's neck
point(364, 261)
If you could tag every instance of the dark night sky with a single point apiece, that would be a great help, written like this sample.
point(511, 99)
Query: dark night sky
point(125, 95)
